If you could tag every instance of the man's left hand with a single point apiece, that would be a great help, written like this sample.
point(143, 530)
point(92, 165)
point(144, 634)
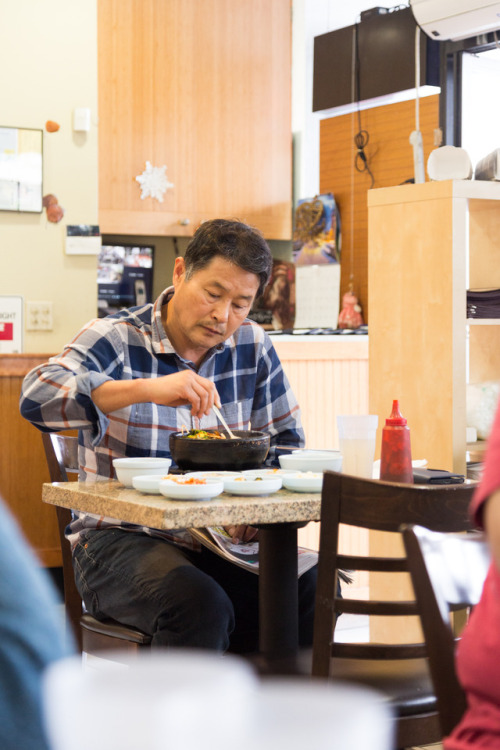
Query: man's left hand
point(242, 533)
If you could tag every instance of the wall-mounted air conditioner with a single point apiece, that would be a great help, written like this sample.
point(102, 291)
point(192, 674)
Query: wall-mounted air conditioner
point(456, 19)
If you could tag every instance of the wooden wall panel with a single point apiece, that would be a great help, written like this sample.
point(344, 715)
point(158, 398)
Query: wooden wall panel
point(390, 158)
point(205, 89)
point(23, 468)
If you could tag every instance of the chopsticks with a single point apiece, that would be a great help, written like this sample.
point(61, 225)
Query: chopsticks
point(223, 421)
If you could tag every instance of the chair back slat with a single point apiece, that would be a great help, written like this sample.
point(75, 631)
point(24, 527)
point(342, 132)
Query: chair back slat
point(448, 572)
point(374, 505)
point(61, 452)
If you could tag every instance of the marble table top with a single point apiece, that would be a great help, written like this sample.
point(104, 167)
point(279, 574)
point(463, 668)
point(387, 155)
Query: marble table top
point(112, 499)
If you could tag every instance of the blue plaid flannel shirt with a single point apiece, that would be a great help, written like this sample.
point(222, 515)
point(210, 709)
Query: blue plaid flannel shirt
point(250, 380)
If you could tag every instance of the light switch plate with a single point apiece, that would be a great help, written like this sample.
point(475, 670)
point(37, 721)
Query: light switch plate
point(39, 316)
point(81, 119)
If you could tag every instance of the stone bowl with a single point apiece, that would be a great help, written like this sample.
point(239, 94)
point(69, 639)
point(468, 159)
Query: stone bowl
point(248, 450)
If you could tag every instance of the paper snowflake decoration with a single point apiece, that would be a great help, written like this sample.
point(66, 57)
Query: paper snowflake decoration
point(154, 182)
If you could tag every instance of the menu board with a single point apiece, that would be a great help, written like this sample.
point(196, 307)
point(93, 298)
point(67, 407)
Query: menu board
point(21, 169)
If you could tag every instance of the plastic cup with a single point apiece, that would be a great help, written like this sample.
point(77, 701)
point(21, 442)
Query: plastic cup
point(357, 435)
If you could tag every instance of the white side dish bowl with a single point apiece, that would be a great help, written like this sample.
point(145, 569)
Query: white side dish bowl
point(128, 468)
point(307, 481)
point(178, 488)
point(253, 486)
point(148, 483)
point(312, 460)
point(225, 476)
point(266, 473)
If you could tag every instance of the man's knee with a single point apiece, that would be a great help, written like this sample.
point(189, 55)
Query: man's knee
point(198, 612)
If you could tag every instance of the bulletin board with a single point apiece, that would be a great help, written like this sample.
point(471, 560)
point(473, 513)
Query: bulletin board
point(21, 169)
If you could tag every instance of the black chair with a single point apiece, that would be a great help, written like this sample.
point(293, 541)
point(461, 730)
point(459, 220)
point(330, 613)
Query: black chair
point(448, 572)
point(399, 670)
point(92, 635)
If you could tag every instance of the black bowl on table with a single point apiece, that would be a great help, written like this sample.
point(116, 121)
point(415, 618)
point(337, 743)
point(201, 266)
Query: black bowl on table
point(248, 450)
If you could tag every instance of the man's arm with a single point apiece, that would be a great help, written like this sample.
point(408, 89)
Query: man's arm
point(78, 388)
point(178, 389)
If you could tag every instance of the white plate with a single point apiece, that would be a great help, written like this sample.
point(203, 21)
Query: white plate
point(249, 486)
point(267, 473)
point(179, 489)
point(226, 476)
point(307, 481)
point(148, 483)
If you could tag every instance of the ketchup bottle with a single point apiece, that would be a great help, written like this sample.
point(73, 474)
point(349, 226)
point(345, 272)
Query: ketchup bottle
point(395, 457)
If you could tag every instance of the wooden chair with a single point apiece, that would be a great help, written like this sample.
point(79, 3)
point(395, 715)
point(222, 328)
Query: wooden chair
point(92, 635)
point(448, 573)
point(399, 670)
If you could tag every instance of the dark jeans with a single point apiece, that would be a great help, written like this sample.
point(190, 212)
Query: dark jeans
point(181, 598)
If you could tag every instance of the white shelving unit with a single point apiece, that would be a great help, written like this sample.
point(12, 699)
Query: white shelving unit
point(429, 243)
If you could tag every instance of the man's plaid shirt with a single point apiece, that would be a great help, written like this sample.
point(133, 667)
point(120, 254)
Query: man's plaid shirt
point(132, 344)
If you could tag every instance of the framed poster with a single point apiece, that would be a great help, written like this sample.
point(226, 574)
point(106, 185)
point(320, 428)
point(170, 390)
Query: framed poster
point(21, 169)
point(11, 324)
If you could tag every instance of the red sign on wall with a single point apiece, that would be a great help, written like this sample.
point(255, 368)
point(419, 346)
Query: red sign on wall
point(6, 331)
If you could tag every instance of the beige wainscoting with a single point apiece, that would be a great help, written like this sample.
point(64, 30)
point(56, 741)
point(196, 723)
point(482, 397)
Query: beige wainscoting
point(329, 376)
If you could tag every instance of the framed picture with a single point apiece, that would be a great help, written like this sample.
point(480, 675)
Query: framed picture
point(21, 169)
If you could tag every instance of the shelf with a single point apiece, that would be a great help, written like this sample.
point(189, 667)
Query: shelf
point(483, 321)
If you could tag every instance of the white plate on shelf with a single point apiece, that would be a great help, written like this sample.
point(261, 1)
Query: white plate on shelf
point(304, 481)
point(225, 476)
point(182, 488)
point(252, 486)
point(149, 483)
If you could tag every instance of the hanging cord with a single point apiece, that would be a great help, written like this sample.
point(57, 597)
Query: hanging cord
point(353, 94)
point(362, 136)
point(417, 77)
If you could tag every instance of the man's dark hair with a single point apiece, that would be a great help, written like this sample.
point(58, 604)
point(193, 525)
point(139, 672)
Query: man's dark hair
point(234, 241)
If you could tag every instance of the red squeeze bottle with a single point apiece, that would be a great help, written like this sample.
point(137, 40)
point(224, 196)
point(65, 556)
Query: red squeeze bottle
point(395, 457)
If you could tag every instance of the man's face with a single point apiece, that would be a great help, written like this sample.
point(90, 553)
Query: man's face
point(210, 306)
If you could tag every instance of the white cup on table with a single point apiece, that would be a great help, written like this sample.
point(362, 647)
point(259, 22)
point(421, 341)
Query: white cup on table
point(357, 435)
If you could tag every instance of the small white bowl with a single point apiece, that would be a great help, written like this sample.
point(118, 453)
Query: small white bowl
point(253, 486)
point(312, 460)
point(304, 481)
point(148, 483)
point(128, 468)
point(266, 473)
point(224, 476)
point(178, 488)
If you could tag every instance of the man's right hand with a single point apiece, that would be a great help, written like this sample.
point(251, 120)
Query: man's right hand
point(178, 389)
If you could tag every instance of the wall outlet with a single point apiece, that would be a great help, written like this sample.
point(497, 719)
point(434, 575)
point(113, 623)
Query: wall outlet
point(39, 316)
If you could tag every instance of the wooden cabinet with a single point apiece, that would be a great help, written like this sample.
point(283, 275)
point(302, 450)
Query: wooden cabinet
point(205, 89)
point(23, 469)
point(428, 244)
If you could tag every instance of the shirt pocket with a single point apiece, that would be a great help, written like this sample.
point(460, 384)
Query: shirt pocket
point(238, 414)
point(150, 427)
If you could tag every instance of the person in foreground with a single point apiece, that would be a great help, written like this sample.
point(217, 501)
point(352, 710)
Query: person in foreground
point(31, 637)
point(478, 654)
point(127, 382)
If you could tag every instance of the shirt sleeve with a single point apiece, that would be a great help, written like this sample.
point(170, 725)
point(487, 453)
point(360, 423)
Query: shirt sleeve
point(275, 408)
point(57, 395)
point(490, 480)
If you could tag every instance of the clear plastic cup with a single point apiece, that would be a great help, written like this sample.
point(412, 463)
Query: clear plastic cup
point(357, 435)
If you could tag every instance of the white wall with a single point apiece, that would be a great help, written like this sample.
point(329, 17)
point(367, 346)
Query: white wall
point(48, 54)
